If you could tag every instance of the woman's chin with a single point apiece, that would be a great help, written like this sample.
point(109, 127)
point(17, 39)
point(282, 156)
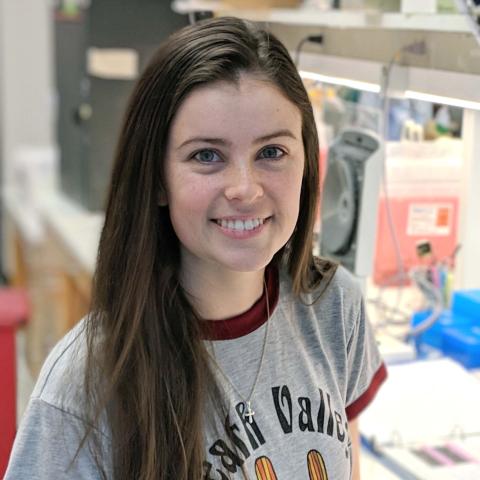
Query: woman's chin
point(250, 264)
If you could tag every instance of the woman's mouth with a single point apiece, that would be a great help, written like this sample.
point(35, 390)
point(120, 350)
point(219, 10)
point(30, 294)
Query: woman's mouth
point(241, 225)
point(242, 228)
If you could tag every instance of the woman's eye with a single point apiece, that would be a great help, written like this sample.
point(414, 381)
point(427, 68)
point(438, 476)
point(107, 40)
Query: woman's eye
point(272, 152)
point(207, 156)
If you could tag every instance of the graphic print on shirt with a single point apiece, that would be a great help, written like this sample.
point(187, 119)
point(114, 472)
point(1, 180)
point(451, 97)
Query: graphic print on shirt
point(264, 469)
point(316, 467)
point(289, 417)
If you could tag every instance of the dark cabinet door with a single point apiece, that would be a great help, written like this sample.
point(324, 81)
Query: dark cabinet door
point(97, 104)
point(72, 102)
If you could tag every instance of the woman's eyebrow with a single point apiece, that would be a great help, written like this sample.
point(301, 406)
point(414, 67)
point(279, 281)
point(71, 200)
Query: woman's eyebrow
point(223, 142)
point(214, 141)
point(278, 133)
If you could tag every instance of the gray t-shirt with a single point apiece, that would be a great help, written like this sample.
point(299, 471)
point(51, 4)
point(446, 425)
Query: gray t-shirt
point(321, 367)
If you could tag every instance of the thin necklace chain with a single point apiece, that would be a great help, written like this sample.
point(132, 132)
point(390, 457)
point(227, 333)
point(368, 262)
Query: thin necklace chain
point(247, 401)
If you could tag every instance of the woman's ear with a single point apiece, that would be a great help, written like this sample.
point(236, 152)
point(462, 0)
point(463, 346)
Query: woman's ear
point(162, 198)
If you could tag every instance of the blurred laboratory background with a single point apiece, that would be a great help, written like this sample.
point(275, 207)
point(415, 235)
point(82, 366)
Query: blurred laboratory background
point(395, 90)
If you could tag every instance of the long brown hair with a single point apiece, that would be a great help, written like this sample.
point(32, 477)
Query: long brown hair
point(143, 335)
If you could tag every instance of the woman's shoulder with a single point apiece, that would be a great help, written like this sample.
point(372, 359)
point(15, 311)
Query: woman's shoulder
point(61, 379)
point(332, 284)
point(343, 280)
point(342, 291)
point(49, 441)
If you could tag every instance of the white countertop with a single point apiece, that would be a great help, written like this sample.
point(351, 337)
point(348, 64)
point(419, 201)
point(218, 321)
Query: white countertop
point(78, 229)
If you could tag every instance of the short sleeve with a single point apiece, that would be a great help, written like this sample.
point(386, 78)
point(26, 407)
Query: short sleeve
point(46, 444)
point(366, 370)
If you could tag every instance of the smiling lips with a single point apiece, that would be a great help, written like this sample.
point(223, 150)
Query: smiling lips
point(241, 225)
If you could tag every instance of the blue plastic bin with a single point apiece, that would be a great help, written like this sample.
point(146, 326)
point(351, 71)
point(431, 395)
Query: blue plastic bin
point(434, 335)
point(467, 302)
point(463, 345)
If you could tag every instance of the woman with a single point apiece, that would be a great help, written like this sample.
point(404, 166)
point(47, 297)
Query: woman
point(217, 346)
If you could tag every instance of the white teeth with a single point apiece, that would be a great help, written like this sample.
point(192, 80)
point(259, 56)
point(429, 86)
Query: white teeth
point(240, 225)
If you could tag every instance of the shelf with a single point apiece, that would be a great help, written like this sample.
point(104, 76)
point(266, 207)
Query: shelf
point(444, 22)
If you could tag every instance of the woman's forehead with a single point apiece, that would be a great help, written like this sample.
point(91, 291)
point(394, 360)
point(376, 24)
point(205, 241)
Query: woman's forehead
point(230, 108)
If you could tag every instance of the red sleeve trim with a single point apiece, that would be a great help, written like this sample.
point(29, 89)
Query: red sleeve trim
point(354, 409)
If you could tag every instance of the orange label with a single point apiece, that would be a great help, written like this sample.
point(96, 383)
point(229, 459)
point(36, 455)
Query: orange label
point(443, 217)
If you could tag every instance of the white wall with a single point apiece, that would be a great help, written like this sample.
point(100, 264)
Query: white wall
point(26, 71)
point(26, 93)
point(468, 275)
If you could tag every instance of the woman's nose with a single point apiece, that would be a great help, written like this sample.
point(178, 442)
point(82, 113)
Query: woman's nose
point(243, 184)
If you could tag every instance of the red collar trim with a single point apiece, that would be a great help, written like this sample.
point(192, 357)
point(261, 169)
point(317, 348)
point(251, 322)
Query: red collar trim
point(247, 322)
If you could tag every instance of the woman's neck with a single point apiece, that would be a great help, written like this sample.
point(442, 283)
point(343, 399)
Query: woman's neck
point(218, 294)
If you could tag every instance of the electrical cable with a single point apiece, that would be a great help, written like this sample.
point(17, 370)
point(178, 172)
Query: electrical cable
point(434, 295)
point(309, 38)
point(417, 48)
point(384, 127)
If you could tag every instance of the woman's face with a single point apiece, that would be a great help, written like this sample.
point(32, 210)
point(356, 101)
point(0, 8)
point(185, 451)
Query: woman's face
point(234, 168)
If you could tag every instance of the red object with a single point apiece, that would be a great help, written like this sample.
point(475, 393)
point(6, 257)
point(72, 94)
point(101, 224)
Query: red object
point(441, 231)
point(14, 311)
point(355, 408)
point(424, 185)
